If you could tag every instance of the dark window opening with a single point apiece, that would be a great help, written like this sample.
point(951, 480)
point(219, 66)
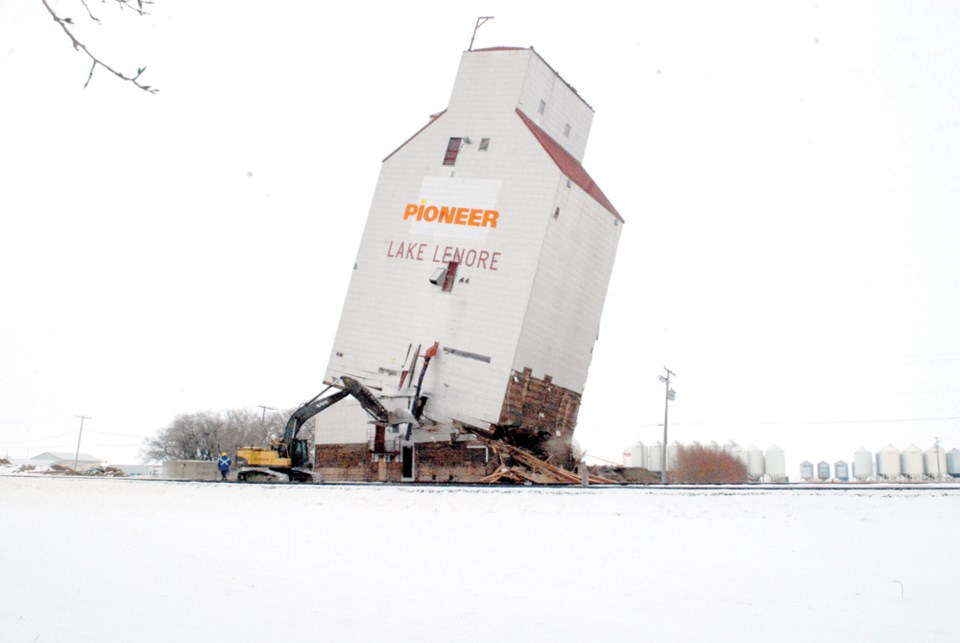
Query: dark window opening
point(484, 144)
point(566, 130)
point(406, 457)
point(450, 277)
point(556, 213)
point(453, 148)
point(543, 106)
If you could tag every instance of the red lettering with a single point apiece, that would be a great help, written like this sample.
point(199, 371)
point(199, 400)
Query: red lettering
point(493, 260)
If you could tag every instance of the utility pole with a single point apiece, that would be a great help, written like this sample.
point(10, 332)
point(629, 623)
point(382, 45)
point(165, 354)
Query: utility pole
point(76, 456)
point(669, 394)
point(263, 416)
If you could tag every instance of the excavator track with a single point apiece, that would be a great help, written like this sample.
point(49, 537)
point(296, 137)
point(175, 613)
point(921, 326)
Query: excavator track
point(261, 474)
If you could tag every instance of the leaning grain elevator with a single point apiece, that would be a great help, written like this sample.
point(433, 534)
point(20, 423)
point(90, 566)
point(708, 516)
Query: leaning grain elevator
point(478, 287)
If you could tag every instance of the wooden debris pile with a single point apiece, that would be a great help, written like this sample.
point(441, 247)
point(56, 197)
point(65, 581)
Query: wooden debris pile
point(518, 466)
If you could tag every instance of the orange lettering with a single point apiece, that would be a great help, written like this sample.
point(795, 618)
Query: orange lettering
point(475, 217)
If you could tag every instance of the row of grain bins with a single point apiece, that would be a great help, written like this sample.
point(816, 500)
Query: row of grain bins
point(889, 464)
point(766, 466)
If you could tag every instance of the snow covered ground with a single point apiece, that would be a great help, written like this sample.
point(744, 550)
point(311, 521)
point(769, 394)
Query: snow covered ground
point(134, 560)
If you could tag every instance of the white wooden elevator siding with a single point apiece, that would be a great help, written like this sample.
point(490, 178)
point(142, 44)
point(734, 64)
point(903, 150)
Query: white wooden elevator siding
point(563, 315)
point(498, 82)
point(551, 277)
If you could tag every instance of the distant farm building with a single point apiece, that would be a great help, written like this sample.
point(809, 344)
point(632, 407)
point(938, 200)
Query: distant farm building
point(83, 460)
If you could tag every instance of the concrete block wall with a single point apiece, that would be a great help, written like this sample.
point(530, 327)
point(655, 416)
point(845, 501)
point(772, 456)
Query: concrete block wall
point(190, 470)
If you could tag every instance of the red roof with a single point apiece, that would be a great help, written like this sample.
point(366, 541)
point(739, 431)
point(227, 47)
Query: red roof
point(569, 165)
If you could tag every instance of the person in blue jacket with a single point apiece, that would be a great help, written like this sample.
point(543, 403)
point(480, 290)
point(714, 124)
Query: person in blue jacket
point(224, 465)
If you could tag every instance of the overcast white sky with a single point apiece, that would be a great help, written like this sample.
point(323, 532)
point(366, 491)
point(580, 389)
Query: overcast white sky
point(788, 173)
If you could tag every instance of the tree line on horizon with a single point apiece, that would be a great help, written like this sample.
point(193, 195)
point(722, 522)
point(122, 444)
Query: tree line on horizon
point(204, 435)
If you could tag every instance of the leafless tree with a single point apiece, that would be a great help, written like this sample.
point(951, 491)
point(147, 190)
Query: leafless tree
point(204, 435)
point(699, 465)
point(67, 25)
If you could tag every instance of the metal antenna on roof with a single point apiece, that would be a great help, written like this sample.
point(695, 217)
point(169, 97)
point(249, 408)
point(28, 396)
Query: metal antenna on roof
point(480, 21)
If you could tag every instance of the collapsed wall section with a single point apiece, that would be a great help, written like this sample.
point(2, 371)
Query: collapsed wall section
point(540, 406)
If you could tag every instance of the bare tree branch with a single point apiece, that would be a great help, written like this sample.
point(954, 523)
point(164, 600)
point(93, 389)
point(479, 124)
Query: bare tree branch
point(89, 13)
point(79, 46)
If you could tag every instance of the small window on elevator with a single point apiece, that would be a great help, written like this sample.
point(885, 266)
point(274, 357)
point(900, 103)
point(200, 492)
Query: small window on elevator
point(451, 276)
point(543, 107)
point(453, 148)
point(566, 130)
point(484, 144)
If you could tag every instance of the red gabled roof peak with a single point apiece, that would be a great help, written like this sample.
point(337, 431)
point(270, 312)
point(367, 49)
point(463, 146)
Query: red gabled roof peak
point(569, 165)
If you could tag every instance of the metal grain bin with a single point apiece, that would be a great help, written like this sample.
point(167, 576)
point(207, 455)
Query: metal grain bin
point(823, 470)
point(638, 455)
point(911, 462)
point(862, 464)
point(775, 464)
point(888, 463)
point(841, 470)
point(935, 462)
point(953, 463)
point(655, 457)
point(754, 462)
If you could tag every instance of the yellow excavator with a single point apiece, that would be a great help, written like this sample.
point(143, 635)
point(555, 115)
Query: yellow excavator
point(289, 458)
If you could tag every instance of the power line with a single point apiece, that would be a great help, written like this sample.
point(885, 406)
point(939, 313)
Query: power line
point(887, 421)
point(49, 437)
point(117, 435)
point(783, 423)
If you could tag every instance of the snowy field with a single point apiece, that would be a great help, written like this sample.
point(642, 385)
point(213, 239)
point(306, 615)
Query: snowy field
point(105, 560)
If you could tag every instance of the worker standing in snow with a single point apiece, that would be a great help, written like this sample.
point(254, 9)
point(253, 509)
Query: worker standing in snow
point(224, 465)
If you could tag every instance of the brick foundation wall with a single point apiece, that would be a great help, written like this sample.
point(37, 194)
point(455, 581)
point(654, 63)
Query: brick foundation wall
point(451, 462)
point(434, 462)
